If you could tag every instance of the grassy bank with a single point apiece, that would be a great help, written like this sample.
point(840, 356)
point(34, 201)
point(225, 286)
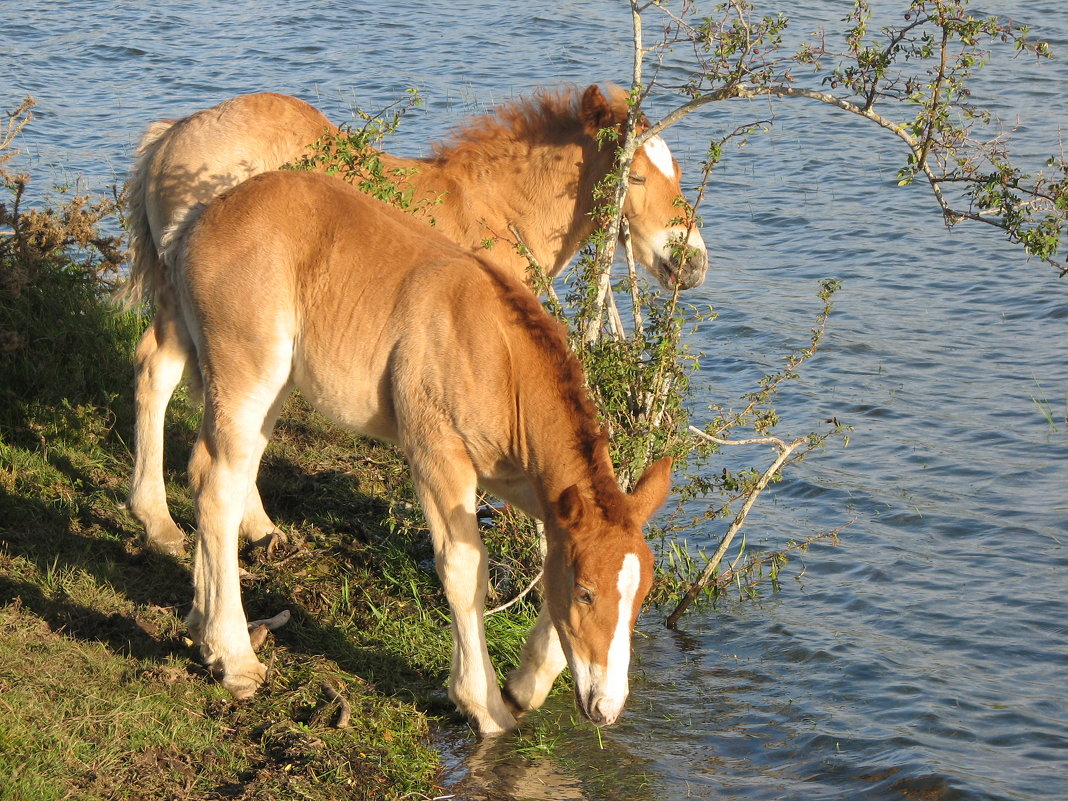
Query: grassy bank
point(101, 695)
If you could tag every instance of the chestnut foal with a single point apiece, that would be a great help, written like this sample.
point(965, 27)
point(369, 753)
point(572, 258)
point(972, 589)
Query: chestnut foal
point(297, 280)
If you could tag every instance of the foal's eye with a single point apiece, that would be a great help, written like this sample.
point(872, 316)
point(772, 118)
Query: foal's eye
point(637, 179)
point(583, 595)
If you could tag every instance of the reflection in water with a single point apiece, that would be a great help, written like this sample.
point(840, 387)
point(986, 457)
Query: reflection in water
point(491, 770)
point(553, 757)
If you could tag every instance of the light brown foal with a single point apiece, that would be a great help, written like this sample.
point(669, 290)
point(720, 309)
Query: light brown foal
point(296, 279)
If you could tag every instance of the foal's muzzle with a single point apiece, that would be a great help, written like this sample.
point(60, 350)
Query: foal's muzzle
point(599, 709)
point(687, 271)
point(680, 259)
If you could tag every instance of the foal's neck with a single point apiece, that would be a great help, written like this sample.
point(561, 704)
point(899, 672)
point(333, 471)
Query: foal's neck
point(560, 443)
point(534, 197)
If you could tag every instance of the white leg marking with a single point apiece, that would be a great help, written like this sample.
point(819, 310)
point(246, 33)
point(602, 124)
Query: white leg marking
point(218, 619)
point(161, 361)
point(462, 566)
point(541, 663)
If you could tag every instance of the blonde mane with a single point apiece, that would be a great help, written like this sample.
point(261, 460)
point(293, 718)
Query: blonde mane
point(548, 116)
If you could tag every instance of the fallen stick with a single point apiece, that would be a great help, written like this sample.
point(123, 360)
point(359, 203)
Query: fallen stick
point(345, 711)
point(272, 623)
point(785, 449)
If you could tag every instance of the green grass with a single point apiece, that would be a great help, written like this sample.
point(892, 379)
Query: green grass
point(75, 720)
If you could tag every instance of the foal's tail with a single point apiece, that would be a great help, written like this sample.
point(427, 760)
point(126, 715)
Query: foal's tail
point(172, 242)
point(147, 277)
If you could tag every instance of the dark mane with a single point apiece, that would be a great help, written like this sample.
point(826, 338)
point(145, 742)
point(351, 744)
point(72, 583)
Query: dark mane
point(545, 116)
point(570, 380)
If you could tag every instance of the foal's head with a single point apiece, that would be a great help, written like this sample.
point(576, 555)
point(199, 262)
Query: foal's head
point(662, 227)
point(597, 575)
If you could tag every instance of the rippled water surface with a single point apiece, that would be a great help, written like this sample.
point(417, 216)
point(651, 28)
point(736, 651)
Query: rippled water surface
point(927, 656)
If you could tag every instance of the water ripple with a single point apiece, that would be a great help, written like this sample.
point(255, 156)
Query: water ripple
point(924, 657)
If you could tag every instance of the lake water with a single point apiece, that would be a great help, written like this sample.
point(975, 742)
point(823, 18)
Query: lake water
point(926, 657)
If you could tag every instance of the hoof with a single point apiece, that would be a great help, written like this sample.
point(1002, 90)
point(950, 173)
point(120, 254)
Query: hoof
point(161, 532)
point(266, 545)
point(496, 728)
point(168, 539)
point(243, 684)
point(514, 706)
point(494, 723)
point(161, 535)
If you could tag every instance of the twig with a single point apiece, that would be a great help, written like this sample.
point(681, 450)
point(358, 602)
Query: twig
point(619, 333)
point(533, 266)
point(624, 158)
point(345, 712)
point(785, 449)
point(517, 599)
point(744, 91)
point(632, 275)
point(270, 667)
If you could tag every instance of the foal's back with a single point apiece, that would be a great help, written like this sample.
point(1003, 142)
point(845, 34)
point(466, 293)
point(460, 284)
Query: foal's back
point(299, 276)
point(185, 162)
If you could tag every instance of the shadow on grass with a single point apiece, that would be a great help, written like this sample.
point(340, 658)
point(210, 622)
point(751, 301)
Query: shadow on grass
point(80, 567)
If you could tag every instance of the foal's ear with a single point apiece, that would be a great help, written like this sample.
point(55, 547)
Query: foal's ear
point(570, 507)
point(596, 112)
point(652, 488)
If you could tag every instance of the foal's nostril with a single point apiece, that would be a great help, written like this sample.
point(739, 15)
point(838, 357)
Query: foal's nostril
point(691, 271)
point(605, 712)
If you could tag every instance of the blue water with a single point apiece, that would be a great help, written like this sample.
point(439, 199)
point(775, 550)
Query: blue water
point(924, 657)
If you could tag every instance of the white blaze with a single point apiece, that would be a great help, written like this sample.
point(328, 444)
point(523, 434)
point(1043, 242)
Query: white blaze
point(615, 685)
point(658, 152)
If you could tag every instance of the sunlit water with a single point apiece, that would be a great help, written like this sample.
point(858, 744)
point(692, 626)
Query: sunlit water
point(927, 655)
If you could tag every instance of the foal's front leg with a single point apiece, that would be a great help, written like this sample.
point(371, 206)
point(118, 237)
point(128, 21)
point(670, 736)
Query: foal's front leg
point(541, 662)
point(446, 484)
point(543, 658)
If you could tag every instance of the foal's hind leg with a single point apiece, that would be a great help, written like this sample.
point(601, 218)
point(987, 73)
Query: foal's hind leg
point(217, 620)
point(161, 358)
point(224, 461)
point(163, 354)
